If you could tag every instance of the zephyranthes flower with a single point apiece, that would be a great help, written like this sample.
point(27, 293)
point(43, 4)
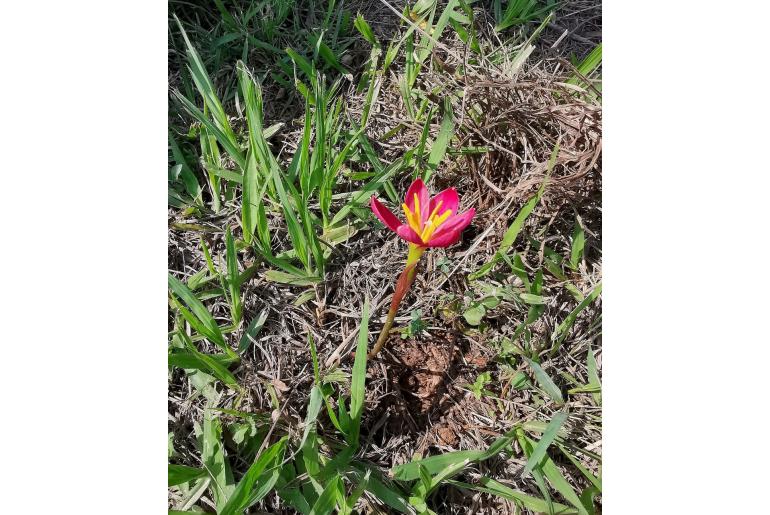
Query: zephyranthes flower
point(430, 222)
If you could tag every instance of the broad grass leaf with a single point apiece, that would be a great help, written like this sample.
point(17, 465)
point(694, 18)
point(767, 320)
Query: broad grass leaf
point(233, 277)
point(593, 376)
point(381, 488)
point(551, 472)
point(578, 244)
point(214, 460)
point(241, 495)
point(545, 441)
point(295, 280)
point(358, 379)
point(489, 485)
point(204, 362)
point(561, 331)
point(178, 474)
point(252, 331)
point(205, 323)
point(328, 499)
point(435, 464)
point(545, 382)
point(595, 481)
point(366, 31)
point(439, 147)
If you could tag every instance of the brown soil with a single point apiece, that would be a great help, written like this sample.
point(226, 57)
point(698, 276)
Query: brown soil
point(427, 383)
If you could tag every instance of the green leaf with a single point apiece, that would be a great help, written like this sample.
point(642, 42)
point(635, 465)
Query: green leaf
point(314, 407)
point(358, 379)
point(551, 472)
point(560, 333)
point(593, 375)
point(493, 487)
point(475, 313)
point(178, 474)
point(251, 199)
point(202, 320)
point(239, 500)
point(302, 63)
point(328, 498)
point(233, 283)
point(252, 331)
point(545, 441)
point(382, 489)
point(352, 499)
point(578, 243)
point(439, 147)
point(436, 464)
point(546, 383)
point(532, 299)
point(365, 30)
point(595, 481)
point(207, 363)
point(184, 359)
point(295, 280)
point(206, 89)
point(214, 459)
point(588, 65)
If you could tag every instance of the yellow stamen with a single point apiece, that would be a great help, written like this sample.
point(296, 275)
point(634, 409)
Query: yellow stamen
point(408, 215)
point(411, 219)
point(417, 213)
point(434, 223)
point(435, 210)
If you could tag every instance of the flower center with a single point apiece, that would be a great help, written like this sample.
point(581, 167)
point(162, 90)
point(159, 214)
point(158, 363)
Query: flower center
point(434, 221)
point(425, 228)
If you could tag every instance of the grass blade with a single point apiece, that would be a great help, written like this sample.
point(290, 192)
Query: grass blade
point(435, 464)
point(178, 474)
point(439, 147)
point(358, 378)
point(202, 320)
point(546, 383)
point(551, 472)
point(214, 459)
point(233, 277)
point(560, 333)
point(545, 441)
point(535, 504)
point(328, 498)
point(252, 331)
point(240, 498)
point(208, 363)
point(593, 376)
point(578, 244)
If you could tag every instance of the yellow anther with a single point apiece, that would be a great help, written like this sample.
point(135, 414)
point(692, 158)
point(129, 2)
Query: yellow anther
point(417, 212)
point(435, 210)
point(409, 215)
point(434, 223)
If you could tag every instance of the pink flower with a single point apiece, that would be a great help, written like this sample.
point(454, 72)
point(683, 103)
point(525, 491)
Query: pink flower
point(430, 222)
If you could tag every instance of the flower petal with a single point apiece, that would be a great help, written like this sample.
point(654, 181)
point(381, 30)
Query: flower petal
point(449, 200)
point(423, 197)
point(444, 240)
point(384, 214)
point(455, 223)
point(409, 235)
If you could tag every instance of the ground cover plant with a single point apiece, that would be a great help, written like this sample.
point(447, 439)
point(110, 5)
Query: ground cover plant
point(290, 122)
